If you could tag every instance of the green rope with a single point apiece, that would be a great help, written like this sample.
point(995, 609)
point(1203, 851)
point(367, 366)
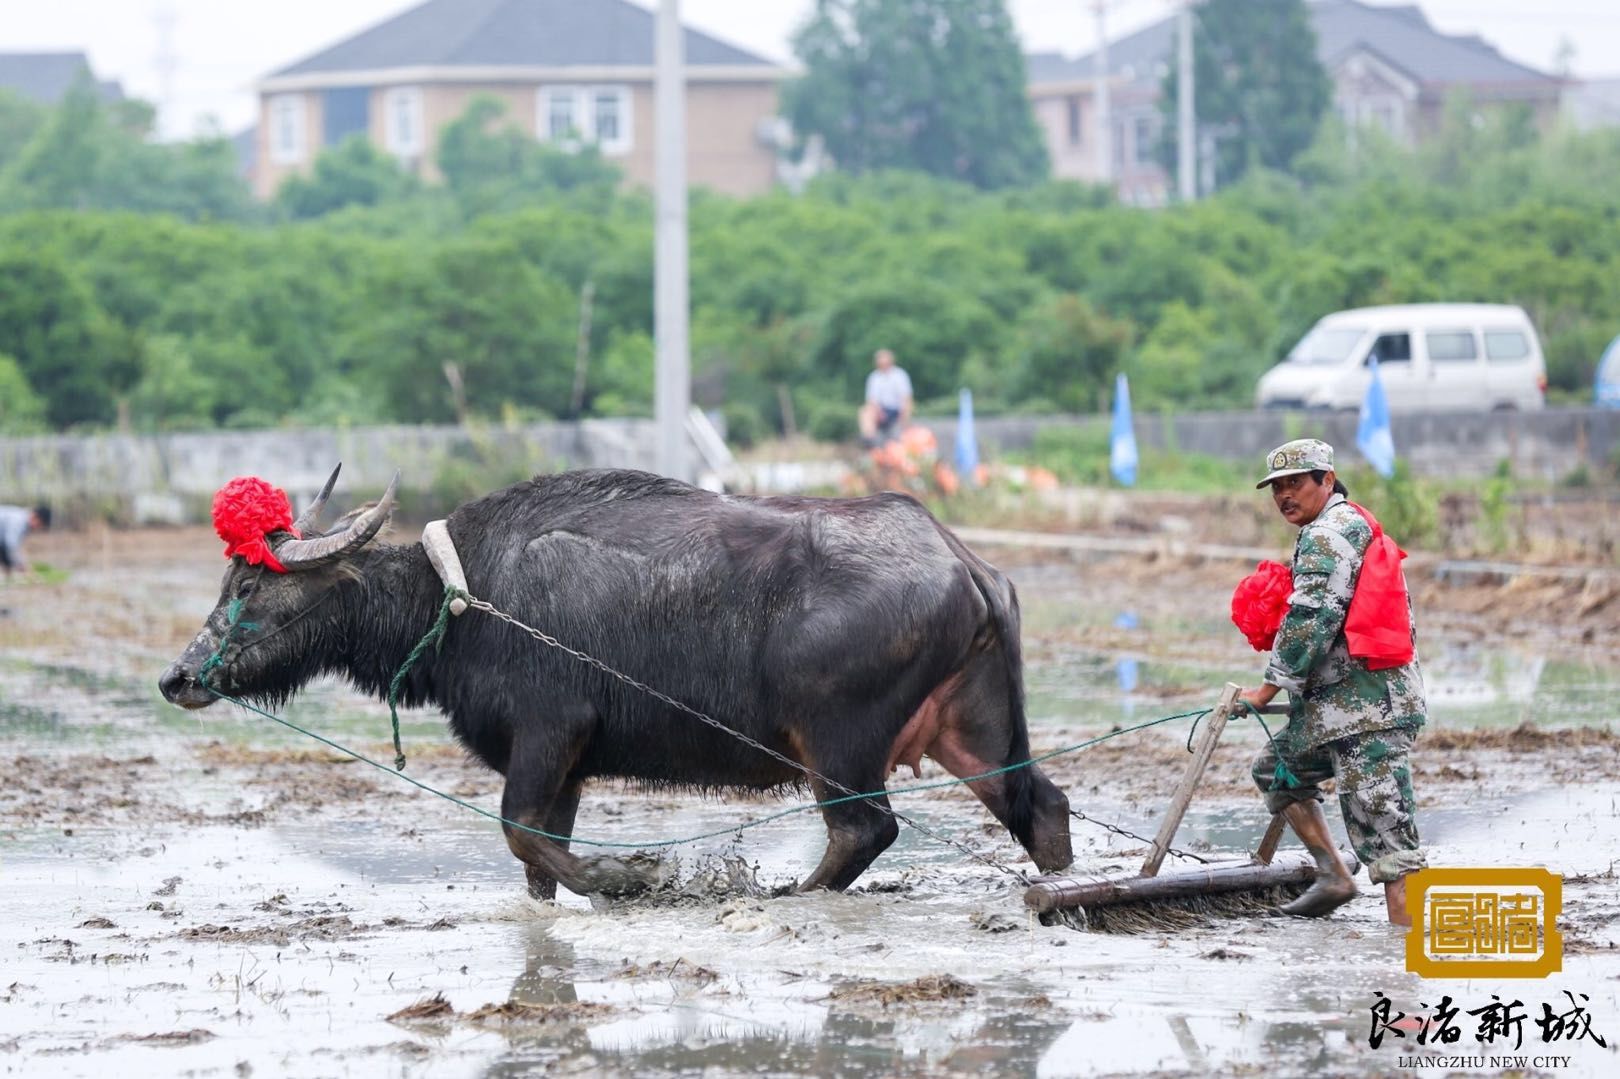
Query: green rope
point(682, 840)
point(233, 612)
point(1282, 777)
point(434, 637)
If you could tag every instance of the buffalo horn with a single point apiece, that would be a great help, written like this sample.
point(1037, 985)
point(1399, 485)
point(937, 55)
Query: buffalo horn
point(311, 517)
point(298, 554)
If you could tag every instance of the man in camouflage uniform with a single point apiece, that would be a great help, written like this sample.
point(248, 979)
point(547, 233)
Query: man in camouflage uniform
point(1345, 722)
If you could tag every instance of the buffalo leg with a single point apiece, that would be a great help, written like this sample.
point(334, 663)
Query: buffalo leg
point(559, 821)
point(857, 832)
point(977, 725)
point(529, 787)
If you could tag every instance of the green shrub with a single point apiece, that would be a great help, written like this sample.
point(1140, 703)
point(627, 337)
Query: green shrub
point(831, 421)
point(1408, 508)
point(744, 425)
point(1495, 505)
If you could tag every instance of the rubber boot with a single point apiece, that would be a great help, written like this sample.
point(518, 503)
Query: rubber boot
point(1334, 886)
point(1395, 902)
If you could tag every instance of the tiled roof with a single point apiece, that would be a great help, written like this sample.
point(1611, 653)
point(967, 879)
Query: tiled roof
point(527, 33)
point(1399, 34)
point(46, 76)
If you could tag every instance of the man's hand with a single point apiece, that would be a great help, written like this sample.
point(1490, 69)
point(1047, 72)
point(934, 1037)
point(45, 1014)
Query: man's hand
point(1261, 696)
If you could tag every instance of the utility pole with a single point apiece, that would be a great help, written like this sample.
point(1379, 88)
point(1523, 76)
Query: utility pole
point(1105, 116)
point(671, 306)
point(165, 62)
point(1186, 137)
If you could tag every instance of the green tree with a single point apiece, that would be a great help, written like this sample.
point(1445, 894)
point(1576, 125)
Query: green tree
point(354, 173)
point(21, 410)
point(937, 86)
point(1260, 90)
point(88, 154)
point(1067, 352)
point(490, 163)
point(508, 329)
point(71, 354)
point(19, 119)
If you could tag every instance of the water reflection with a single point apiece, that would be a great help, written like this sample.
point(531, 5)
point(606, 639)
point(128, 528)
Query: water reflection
point(670, 1023)
point(1125, 667)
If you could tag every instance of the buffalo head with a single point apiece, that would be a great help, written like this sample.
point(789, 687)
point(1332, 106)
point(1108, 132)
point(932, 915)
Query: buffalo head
point(279, 636)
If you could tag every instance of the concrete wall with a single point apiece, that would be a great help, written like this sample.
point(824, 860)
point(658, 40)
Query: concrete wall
point(1549, 444)
point(172, 478)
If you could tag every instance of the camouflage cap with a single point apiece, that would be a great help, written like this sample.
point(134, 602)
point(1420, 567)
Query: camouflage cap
point(1300, 455)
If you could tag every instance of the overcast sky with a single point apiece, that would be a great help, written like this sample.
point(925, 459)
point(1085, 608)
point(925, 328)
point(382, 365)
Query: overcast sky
point(221, 46)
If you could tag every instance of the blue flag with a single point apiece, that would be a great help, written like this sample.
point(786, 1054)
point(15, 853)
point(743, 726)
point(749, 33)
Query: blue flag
point(967, 446)
point(1373, 436)
point(1122, 438)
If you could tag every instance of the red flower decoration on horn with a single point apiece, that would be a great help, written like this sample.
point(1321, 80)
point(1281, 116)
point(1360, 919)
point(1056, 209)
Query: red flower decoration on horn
point(246, 510)
point(1260, 602)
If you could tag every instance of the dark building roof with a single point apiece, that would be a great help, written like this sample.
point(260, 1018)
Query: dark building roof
point(526, 33)
point(1403, 37)
point(46, 77)
point(1400, 35)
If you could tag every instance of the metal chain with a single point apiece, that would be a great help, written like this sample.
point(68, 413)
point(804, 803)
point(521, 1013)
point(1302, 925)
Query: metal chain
point(1117, 830)
point(592, 661)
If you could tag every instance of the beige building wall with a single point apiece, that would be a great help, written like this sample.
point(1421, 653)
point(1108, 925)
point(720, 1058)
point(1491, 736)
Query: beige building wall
point(268, 173)
point(725, 151)
point(1057, 107)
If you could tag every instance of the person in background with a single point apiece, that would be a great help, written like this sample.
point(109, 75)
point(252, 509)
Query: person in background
point(15, 524)
point(1346, 720)
point(887, 408)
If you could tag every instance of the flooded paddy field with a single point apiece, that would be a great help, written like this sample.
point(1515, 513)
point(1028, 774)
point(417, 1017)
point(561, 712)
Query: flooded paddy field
point(210, 894)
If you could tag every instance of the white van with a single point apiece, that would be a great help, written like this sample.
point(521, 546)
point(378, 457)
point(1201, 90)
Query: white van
point(1432, 357)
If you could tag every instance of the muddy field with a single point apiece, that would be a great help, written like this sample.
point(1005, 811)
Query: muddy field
point(210, 894)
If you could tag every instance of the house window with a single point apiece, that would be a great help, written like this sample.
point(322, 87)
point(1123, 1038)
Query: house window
point(570, 115)
point(1074, 121)
point(402, 131)
point(287, 129)
point(1144, 132)
point(612, 112)
point(557, 114)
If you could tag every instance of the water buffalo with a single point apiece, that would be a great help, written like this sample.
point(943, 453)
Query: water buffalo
point(851, 635)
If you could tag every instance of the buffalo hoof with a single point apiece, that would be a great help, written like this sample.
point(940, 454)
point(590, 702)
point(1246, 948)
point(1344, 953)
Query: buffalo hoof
point(619, 877)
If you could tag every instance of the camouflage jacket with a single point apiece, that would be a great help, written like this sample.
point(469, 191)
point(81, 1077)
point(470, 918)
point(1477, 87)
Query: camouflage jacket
point(1332, 694)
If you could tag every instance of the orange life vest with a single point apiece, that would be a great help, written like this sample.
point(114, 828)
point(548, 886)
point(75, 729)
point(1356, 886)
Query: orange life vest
point(1378, 627)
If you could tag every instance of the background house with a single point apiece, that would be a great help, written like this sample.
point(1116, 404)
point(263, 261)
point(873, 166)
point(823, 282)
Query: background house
point(45, 77)
point(1388, 66)
point(568, 70)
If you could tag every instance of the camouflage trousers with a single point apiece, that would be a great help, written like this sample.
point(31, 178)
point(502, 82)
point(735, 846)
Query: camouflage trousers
point(1374, 782)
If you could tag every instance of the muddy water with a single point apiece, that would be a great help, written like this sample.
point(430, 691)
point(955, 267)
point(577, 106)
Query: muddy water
point(178, 914)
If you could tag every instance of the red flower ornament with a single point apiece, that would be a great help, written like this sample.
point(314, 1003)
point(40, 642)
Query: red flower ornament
point(1260, 602)
point(246, 511)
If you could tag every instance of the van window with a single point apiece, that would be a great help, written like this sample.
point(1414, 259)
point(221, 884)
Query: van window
point(1325, 346)
point(1506, 345)
point(1449, 346)
point(1392, 348)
